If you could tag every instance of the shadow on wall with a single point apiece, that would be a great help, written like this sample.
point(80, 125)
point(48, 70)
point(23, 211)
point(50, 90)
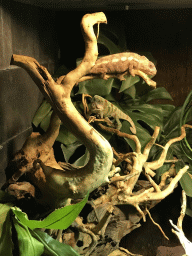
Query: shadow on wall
point(25, 30)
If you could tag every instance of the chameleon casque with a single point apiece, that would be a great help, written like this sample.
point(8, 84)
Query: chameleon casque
point(120, 64)
point(105, 109)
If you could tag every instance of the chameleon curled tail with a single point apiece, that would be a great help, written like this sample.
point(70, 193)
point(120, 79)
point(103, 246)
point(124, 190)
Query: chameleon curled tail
point(105, 109)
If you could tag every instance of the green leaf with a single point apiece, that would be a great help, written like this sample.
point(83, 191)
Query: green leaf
point(142, 134)
point(186, 116)
point(186, 180)
point(104, 40)
point(171, 127)
point(130, 80)
point(59, 219)
point(6, 244)
point(185, 108)
point(167, 109)
point(52, 246)
point(27, 244)
point(189, 206)
point(83, 160)
point(69, 150)
point(41, 113)
point(96, 87)
point(65, 136)
point(131, 91)
point(45, 121)
point(158, 93)
point(149, 114)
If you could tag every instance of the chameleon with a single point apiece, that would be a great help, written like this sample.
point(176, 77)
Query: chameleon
point(105, 109)
point(119, 64)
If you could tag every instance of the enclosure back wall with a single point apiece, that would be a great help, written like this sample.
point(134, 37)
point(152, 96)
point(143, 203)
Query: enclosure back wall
point(36, 32)
point(25, 30)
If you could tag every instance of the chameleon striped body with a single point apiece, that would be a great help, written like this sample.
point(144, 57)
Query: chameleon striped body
point(105, 109)
point(121, 63)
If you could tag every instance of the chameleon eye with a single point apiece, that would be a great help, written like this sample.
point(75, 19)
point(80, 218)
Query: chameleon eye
point(151, 66)
point(93, 105)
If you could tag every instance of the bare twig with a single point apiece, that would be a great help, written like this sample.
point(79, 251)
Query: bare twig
point(124, 135)
point(183, 210)
point(156, 224)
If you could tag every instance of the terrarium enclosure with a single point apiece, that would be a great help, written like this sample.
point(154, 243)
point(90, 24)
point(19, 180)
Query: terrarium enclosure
point(50, 33)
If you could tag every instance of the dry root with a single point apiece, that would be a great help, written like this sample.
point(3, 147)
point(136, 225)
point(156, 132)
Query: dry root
point(120, 190)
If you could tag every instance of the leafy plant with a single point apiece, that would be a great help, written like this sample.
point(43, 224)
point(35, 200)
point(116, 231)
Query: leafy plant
point(181, 150)
point(30, 240)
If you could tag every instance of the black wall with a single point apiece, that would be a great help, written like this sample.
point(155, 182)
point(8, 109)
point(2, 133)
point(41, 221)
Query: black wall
point(30, 31)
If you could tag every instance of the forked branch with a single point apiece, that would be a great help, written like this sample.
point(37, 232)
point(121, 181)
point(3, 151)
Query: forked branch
point(63, 185)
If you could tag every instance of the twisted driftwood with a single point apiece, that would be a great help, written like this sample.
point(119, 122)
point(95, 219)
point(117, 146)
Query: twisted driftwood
point(59, 185)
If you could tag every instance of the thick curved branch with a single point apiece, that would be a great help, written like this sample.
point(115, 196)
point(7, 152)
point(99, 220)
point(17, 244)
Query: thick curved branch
point(95, 173)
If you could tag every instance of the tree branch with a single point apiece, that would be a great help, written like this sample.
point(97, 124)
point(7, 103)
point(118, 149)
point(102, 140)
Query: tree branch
point(76, 184)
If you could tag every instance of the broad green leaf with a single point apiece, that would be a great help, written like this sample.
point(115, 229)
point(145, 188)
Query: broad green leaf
point(130, 80)
point(59, 219)
point(69, 150)
point(146, 109)
point(27, 244)
point(151, 120)
point(142, 134)
point(6, 244)
point(186, 180)
point(158, 93)
point(45, 121)
point(53, 247)
point(185, 107)
point(83, 160)
point(65, 136)
point(41, 113)
point(171, 127)
point(96, 87)
point(189, 206)
point(167, 109)
point(149, 114)
point(113, 48)
point(131, 91)
point(186, 116)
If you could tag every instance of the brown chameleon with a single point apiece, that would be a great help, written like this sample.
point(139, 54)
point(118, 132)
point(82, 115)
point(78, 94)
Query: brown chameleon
point(120, 64)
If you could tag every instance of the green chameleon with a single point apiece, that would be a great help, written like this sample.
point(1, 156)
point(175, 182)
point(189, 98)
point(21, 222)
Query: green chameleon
point(105, 109)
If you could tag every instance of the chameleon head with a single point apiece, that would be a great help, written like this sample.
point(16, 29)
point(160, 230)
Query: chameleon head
point(146, 66)
point(96, 105)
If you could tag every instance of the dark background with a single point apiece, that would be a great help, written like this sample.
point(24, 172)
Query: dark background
point(53, 37)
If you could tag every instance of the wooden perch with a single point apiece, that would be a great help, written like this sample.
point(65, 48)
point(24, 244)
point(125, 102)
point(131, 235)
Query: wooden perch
point(122, 192)
point(63, 185)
